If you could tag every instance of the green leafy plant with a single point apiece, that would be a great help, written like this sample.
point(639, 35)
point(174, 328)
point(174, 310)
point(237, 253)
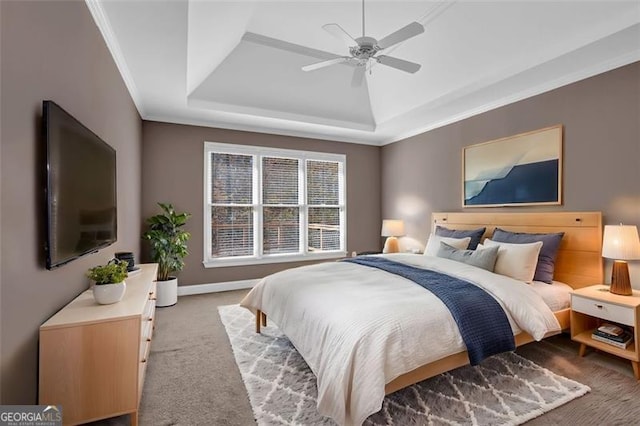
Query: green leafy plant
point(168, 240)
point(113, 272)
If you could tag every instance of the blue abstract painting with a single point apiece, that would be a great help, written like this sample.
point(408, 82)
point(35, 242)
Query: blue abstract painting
point(524, 169)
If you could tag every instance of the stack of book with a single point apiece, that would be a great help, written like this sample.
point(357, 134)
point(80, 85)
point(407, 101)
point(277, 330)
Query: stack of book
point(613, 335)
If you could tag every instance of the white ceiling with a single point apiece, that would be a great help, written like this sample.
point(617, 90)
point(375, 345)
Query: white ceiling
point(206, 63)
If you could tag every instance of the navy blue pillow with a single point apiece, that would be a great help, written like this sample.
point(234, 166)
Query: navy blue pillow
point(548, 252)
point(475, 234)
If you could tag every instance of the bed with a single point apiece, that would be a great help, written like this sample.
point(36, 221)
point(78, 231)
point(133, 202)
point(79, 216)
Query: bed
point(365, 334)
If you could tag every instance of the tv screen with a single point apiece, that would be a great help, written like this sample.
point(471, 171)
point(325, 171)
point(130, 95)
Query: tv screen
point(80, 188)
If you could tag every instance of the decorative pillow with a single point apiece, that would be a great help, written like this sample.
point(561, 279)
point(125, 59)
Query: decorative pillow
point(548, 252)
point(482, 258)
point(433, 244)
point(475, 234)
point(517, 261)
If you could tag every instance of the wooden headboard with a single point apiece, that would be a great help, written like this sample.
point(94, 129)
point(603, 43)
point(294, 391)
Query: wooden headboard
point(579, 261)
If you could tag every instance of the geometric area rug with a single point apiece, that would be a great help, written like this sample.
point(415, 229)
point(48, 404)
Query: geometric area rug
point(505, 389)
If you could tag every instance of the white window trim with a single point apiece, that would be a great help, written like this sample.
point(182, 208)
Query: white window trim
point(258, 152)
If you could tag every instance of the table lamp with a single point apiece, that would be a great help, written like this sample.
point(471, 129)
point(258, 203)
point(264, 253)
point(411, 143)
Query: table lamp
point(620, 243)
point(392, 228)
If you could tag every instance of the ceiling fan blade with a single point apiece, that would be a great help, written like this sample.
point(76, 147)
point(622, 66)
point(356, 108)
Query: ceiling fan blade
point(358, 75)
point(286, 46)
point(322, 64)
point(406, 32)
point(340, 33)
point(401, 64)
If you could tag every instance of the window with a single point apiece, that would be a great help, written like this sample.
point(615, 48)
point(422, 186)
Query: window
point(266, 205)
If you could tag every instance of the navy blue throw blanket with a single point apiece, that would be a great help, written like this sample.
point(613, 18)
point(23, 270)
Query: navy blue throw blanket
point(481, 320)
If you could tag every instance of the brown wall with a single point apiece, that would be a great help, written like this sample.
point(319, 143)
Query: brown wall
point(52, 50)
point(601, 118)
point(173, 172)
point(1, 109)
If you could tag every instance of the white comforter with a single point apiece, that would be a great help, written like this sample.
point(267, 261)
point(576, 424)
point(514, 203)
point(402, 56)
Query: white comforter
point(359, 328)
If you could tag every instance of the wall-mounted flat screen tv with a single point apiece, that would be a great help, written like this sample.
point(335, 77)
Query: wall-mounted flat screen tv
point(81, 213)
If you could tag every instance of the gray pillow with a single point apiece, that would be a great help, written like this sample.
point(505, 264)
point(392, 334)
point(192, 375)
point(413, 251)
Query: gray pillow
point(483, 258)
point(475, 234)
point(548, 252)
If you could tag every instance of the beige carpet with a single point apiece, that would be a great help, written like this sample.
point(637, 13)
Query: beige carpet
point(192, 378)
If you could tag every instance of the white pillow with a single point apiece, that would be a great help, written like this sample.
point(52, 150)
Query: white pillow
point(517, 261)
point(433, 244)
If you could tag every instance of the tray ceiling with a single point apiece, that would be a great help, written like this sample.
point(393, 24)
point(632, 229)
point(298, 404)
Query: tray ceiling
point(210, 62)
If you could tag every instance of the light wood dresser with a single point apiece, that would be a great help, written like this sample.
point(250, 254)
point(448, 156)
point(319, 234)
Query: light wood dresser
point(93, 357)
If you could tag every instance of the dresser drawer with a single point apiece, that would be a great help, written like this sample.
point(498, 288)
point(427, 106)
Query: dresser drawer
point(603, 310)
point(152, 291)
point(149, 310)
point(143, 351)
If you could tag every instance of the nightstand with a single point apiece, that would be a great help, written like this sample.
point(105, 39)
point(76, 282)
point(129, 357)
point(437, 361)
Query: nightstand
point(591, 306)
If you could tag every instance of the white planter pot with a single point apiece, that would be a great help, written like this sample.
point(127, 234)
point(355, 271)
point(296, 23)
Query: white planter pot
point(106, 294)
point(167, 292)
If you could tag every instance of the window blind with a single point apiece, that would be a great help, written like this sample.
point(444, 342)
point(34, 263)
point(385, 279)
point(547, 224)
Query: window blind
point(232, 198)
point(323, 189)
point(267, 203)
point(280, 189)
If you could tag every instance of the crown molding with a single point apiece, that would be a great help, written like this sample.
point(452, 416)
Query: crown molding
point(539, 89)
point(332, 134)
point(102, 22)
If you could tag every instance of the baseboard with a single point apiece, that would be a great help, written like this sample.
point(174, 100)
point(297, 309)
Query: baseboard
point(215, 287)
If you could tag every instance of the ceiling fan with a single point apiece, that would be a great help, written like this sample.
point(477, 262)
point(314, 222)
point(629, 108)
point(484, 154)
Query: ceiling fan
point(363, 51)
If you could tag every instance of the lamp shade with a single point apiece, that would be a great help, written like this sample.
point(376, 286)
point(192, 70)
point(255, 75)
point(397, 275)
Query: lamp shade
point(392, 228)
point(621, 242)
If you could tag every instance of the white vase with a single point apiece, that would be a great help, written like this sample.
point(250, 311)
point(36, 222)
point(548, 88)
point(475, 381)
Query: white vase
point(106, 294)
point(167, 292)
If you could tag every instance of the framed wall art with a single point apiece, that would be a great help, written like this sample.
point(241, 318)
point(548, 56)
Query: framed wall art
point(520, 170)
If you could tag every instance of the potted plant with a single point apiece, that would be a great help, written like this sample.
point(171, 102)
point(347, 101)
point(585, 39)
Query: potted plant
point(109, 281)
point(168, 249)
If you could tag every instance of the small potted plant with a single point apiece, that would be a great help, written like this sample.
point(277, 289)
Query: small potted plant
point(168, 249)
point(109, 281)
